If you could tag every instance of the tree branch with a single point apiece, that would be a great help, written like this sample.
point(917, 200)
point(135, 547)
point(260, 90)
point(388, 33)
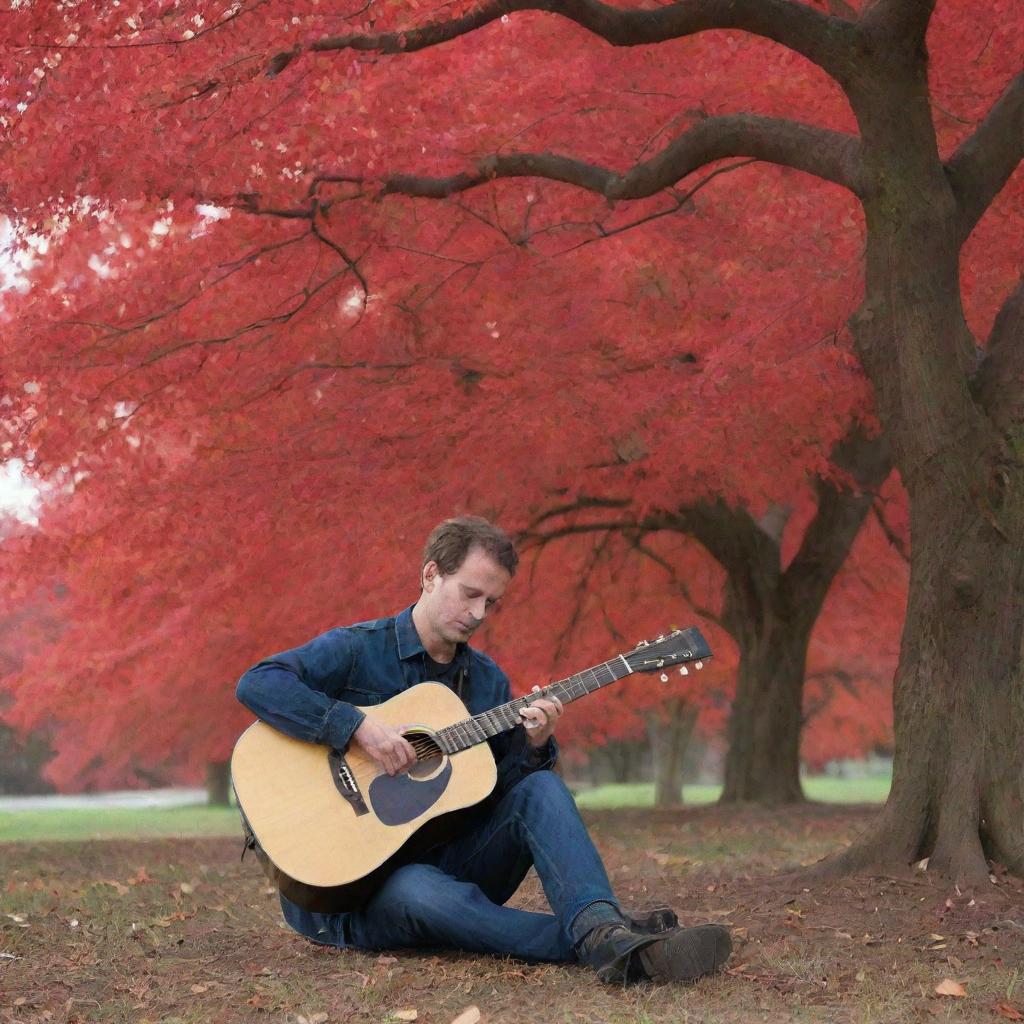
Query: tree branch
point(840, 515)
point(834, 156)
point(905, 21)
point(824, 40)
point(981, 166)
point(997, 382)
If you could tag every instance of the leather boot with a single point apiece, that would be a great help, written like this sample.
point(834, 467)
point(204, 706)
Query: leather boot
point(621, 956)
point(653, 922)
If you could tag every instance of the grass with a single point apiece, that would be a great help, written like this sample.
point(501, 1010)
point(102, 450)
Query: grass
point(185, 822)
point(116, 823)
point(871, 790)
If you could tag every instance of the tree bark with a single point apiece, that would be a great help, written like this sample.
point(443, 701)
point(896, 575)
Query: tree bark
point(670, 730)
point(762, 764)
point(956, 434)
point(218, 783)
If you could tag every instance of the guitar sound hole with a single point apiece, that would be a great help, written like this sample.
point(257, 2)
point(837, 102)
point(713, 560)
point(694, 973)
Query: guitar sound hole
point(429, 758)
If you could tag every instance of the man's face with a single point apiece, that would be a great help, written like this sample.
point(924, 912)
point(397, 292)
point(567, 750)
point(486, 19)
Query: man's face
point(455, 605)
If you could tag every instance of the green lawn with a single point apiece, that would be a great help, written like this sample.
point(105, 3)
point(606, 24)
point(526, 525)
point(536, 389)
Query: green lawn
point(118, 823)
point(829, 790)
point(143, 823)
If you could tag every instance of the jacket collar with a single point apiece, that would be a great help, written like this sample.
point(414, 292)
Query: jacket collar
point(408, 640)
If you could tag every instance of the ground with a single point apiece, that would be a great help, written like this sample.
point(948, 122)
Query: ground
point(180, 931)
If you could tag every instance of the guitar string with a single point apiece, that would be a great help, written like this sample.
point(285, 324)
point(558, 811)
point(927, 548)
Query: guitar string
point(471, 731)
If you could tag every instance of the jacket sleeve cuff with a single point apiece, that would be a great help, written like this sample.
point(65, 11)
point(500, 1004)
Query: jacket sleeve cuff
point(340, 722)
point(542, 758)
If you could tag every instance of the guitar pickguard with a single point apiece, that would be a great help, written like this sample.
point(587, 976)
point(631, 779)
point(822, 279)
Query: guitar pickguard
point(397, 799)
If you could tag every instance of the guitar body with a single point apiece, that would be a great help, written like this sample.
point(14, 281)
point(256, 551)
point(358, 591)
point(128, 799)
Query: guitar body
point(333, 824)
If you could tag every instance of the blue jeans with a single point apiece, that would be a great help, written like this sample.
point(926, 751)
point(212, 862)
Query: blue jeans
point(454, 898)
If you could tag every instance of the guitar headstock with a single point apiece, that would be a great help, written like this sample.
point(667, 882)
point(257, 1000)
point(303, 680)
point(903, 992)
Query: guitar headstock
point(680, 647)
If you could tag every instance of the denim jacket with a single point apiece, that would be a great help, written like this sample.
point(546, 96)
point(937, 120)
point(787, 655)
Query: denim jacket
point(309, 692)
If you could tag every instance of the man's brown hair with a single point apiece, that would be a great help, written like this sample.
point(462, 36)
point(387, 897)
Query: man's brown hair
point(449, 543)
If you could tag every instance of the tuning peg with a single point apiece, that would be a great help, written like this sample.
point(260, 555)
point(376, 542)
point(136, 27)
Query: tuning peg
point(683, 670)
point(664, 678)
point(699, 665)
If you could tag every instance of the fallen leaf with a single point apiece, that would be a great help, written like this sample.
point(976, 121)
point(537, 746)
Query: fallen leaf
point(404, 1015)
point(187, 888)
point(1007, 1011)
point(470, 1015)
point(196, 989)
point(119, 886)
point(948, 987)
point(861, 974)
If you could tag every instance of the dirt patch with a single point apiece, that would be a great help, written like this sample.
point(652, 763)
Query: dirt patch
point(179, 931)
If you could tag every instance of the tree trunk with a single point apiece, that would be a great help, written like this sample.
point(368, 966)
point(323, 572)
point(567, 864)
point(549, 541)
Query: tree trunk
point(958, 775)
point(218, 783)
point(954, 423)
point(763, 761)
point(670, 729)
point(771, 613)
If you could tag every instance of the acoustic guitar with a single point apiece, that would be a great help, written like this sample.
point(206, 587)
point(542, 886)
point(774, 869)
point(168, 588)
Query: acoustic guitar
point(330, 825)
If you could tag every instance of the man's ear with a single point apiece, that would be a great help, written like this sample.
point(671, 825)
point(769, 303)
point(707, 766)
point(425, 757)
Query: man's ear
point(429, 576)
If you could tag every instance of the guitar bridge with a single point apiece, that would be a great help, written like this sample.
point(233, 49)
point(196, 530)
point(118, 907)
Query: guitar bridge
point(345, 782)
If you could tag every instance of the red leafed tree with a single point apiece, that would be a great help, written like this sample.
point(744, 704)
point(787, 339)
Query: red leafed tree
point(214, 382)
point(846, 98)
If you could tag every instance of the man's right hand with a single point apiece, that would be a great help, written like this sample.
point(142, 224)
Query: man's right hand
point(387, 746)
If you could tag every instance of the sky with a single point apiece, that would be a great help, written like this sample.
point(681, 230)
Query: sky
point(18, 495)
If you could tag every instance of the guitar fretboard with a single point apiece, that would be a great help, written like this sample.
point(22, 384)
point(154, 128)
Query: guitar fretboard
point(471, 731)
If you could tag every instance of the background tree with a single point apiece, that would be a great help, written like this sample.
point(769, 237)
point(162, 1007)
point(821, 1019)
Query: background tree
point(175, 430)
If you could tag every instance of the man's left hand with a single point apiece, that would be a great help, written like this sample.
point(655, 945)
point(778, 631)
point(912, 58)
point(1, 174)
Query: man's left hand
point(540, 717)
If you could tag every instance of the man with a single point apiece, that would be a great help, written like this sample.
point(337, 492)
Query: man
point(453, 896)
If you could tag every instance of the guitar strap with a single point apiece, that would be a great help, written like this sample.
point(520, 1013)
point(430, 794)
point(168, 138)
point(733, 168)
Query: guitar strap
point(461, 682)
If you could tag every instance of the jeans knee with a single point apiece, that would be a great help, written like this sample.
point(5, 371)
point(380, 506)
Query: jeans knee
point(542, 790)
point(411, 893)
point(544, 786)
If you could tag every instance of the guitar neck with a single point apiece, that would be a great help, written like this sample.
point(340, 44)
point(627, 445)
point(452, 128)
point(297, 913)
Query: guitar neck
point(480, 728)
